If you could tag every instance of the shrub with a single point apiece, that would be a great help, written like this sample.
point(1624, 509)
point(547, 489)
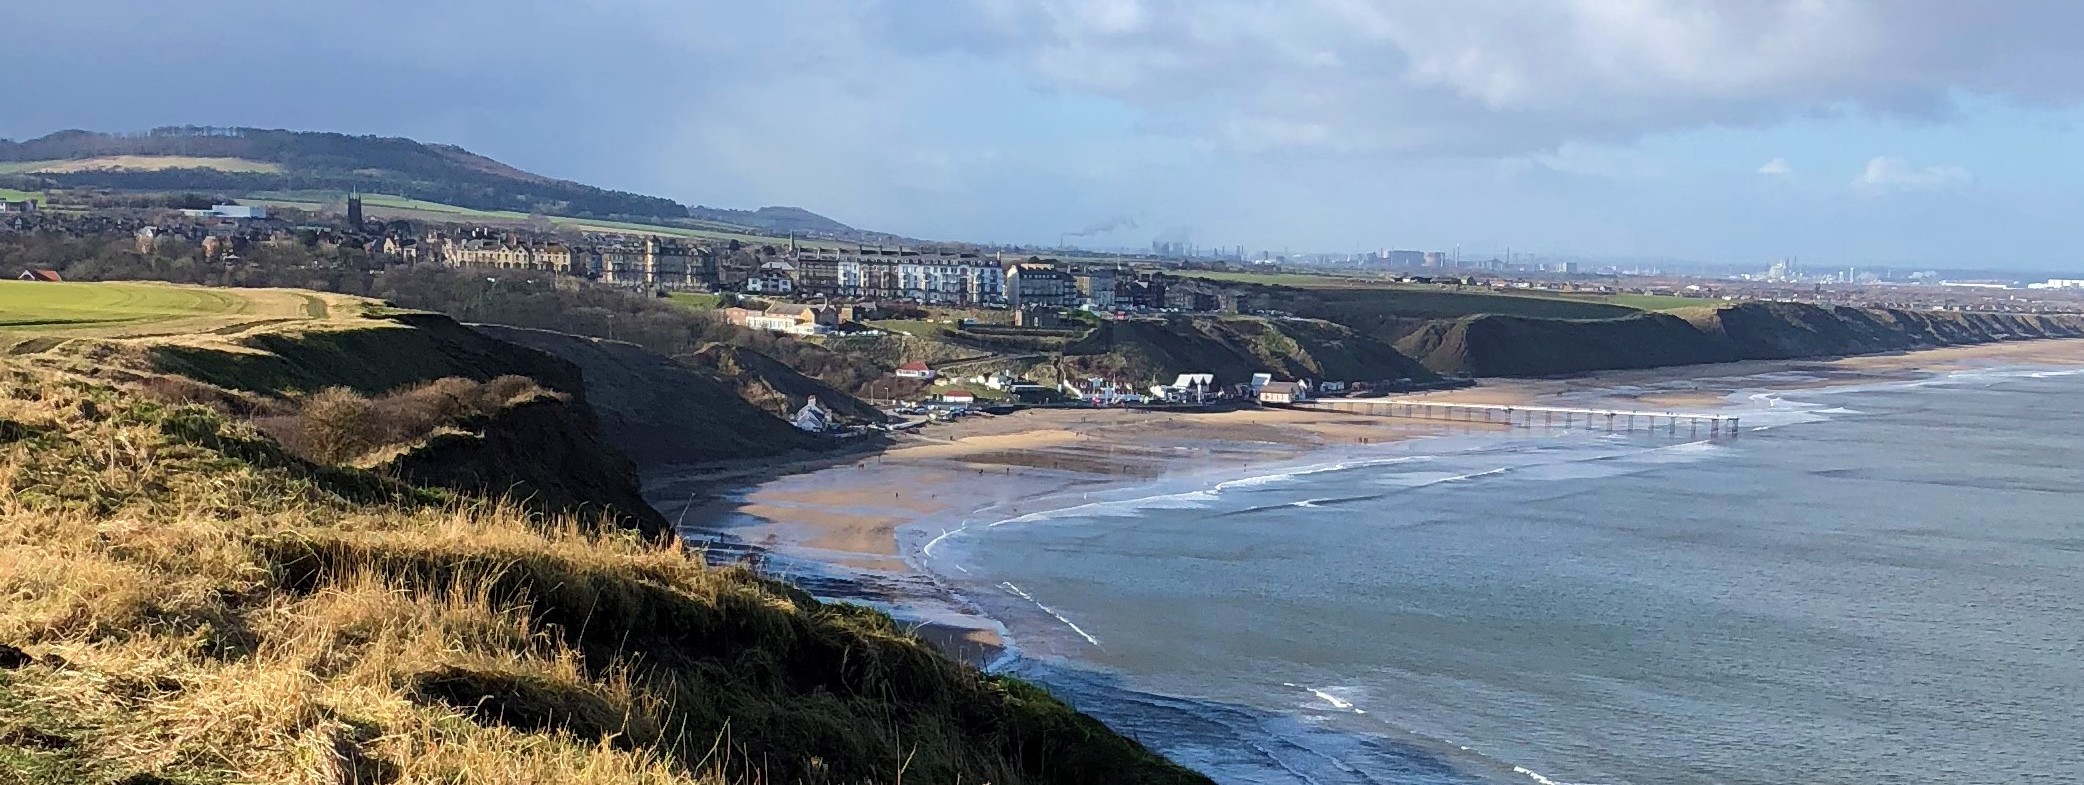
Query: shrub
point(337, 425)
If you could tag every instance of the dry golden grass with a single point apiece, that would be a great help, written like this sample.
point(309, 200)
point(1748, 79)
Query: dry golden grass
point(198, 606)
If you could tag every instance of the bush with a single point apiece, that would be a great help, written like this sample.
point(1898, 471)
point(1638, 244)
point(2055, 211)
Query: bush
point(336, 425)
point(339, 425)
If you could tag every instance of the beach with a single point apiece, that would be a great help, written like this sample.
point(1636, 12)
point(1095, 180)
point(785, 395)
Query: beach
point(837, 523)
point(850, 527)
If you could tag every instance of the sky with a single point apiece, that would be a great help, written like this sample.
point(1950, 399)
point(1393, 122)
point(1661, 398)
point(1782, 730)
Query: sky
point(1848, 133)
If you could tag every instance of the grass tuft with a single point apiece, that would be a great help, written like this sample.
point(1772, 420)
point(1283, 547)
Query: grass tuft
point(189, 602)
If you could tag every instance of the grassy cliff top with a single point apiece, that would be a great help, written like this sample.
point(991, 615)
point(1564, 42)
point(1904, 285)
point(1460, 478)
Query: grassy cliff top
point(189, 602)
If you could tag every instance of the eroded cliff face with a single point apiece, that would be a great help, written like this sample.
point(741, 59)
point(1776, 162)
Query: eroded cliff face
point(1499, 345)
point(543, 453)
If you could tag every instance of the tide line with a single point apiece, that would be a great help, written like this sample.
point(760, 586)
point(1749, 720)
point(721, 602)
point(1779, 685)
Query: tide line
point(1046, 609)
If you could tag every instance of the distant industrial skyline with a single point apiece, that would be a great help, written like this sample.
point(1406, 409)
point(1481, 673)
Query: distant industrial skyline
point(1853, 133)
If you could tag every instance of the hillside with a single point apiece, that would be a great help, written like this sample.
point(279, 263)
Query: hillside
point(774, 386)
point(1500, 345)
point(661, 412)
point(247, 160)
point(191, 600)
point(1234, 348)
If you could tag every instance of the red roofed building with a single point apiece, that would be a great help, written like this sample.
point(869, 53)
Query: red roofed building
point(958, 396)
point(915, 370)
point(40, 275)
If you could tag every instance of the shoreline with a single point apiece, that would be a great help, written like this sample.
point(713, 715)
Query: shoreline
point(852, 526)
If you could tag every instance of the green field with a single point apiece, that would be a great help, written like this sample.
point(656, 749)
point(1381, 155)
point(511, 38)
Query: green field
point(921, 329)
point(129, 310)
point(1297, 280)
point(700, 301)
point(1343, 294)
point(415, 209)
point(1657, 302)
point(11, 195)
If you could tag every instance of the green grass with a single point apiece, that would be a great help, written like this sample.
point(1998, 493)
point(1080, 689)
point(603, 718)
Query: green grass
point(700, 301)
point(1297, 280)
point(11, 195)
point(1658, 302)
point(43, 307)
point(911, 327)
point(117, 310)
point(1351, 299)
point(416, 208)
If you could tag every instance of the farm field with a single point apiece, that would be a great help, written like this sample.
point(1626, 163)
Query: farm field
point(1342, 296)
point(700, 301)
point(11, 195)
point(1658, 302)
point(137, 163)
point(33, 310)
point(384, 205)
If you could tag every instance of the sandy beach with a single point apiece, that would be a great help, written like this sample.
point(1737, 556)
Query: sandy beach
point(837, 523)
point(846, 514)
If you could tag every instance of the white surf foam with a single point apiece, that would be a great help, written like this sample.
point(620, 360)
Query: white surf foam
point(1046, 609)
point(1329, 698)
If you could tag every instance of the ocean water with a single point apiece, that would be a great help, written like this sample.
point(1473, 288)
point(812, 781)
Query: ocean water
point(1878, 585)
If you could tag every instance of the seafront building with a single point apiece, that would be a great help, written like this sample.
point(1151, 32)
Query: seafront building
point(922, 276)
point(649, 262)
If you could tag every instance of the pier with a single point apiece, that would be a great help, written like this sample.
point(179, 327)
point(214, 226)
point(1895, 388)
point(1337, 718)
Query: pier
point(1609, 420)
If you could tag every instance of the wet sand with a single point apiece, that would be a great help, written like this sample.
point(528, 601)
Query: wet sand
point(846, 513)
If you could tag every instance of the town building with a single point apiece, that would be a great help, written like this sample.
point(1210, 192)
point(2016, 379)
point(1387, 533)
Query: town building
point(787, 318)
point(650, 263)
point(1188, 388)
point(13, 206)
point(239, 211)
point(1284, 392)
point(1095, 284)
point(912, 275)
point(773, 278)
point(503, 254)
point(1102, 392)
point(915, 370)
point(1039, 284)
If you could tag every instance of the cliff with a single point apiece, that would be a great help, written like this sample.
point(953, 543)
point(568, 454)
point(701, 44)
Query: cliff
point(661, 412)
point(193, 601)
point(1234, 348)
point(1501, 345)
point(775, 387)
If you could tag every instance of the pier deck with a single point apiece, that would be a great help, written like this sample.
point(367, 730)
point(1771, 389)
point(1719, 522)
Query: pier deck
point(1611, 420)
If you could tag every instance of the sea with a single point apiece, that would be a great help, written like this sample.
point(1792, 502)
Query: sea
point(1872, 584)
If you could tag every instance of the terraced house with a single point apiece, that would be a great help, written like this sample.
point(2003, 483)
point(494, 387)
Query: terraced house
point(508, 254)
point(653, 263)
point(922, 276)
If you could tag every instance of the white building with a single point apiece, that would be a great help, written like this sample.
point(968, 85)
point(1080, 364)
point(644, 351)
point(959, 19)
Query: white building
point(239, 211)
point(930, 278)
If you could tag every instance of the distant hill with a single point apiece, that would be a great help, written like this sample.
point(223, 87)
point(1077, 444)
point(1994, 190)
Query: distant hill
point(243, 160)
point(780, 220)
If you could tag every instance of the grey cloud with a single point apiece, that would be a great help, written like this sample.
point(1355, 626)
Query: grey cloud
point(1510, 77)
